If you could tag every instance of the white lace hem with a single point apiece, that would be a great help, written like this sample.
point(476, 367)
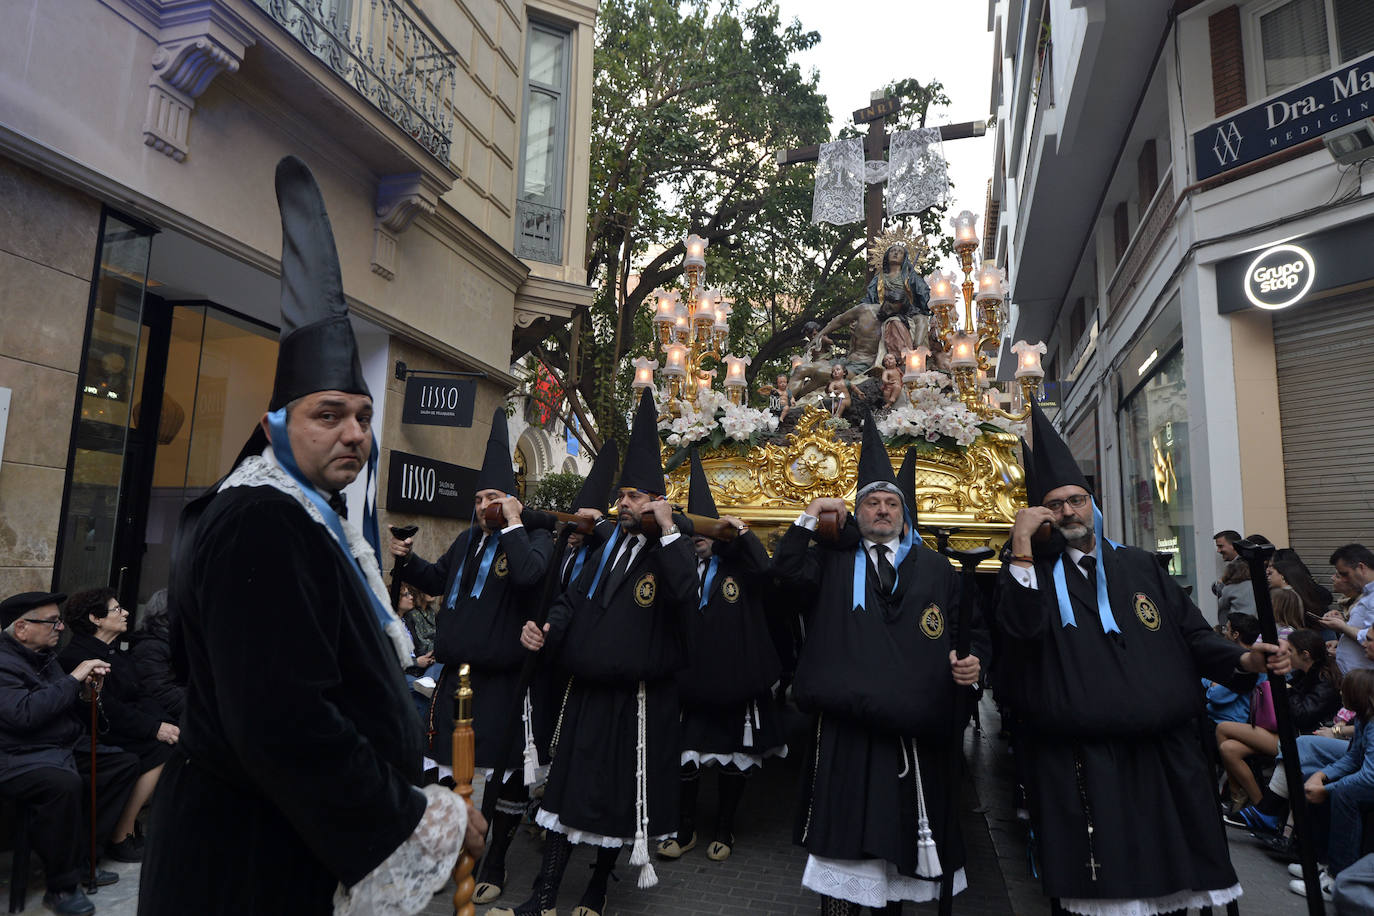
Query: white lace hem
point(549, 821)
point(873, 883)
point(406, 880)
point(740, 759)
point(1152, 906)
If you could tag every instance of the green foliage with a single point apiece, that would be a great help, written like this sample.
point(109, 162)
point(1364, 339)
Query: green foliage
point(556, 492)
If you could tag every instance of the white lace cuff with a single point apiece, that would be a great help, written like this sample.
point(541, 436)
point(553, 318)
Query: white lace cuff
point(406, 880)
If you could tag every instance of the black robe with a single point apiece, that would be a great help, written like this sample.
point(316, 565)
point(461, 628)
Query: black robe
point(732, 663)
point(878, 679)
point(300, 745)
point(1125, 705)
point(484, 632)
point(608, 650)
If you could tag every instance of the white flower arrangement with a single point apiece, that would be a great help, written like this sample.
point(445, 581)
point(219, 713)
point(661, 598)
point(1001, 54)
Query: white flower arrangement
point(933, 414)
point(713, 418)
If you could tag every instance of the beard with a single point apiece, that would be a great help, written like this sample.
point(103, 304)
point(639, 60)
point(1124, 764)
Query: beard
point(1075, 534)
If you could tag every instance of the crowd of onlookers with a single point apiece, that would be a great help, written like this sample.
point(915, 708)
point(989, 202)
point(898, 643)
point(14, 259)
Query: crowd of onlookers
point(102, 699)
point(1329, 698)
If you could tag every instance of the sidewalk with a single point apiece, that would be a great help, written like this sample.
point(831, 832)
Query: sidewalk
point(763, 876)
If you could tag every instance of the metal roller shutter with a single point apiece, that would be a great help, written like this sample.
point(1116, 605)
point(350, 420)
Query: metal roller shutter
point(1326, 381)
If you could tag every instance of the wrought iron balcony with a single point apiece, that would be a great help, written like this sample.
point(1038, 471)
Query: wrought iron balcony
point(538, 232)
point(387, 55)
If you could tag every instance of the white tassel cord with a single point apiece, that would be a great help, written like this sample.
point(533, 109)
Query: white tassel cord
point(927, 856)
point(640, 854)
point(531, 755)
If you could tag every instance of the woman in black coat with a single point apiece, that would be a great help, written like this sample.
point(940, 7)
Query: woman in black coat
point(152, 650)
point(128, 718)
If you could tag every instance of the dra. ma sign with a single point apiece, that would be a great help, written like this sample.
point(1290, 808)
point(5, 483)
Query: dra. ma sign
point(1307, 111)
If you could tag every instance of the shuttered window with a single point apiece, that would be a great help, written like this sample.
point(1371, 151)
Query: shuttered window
point(1325, 381)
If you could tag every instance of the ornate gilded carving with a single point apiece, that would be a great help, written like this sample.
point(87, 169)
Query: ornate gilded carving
point(976, 490)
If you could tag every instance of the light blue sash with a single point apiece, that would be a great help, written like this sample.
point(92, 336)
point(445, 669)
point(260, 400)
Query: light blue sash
point(710, 580)
point(606, 554)
point(281, 447)
point(861, 563)
point(1061, 587)
point(484, 567)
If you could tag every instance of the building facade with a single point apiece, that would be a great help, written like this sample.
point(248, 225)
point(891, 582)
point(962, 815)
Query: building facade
point(140, 244)
point(1179, 233)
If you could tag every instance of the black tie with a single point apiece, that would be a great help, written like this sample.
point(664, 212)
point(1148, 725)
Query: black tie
point(1087, 564)
point(470, 567)
point(617, 575)
point(886, 574)
point(568, 565)
point(337, 503)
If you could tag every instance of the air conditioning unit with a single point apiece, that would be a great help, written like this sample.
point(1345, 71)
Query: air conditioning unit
point(1352, 143)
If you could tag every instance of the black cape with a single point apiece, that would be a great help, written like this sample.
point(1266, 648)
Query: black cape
point(608, 650)
point(484, 632)
point(300, 745)
point(1126, 707)
point(732, 663)
point(877, 678)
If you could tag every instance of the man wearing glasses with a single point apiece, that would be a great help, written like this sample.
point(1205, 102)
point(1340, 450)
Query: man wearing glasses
point(1107, 650)
point(39, 740)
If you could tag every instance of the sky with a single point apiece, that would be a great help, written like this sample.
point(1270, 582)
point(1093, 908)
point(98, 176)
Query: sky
point(853, 62)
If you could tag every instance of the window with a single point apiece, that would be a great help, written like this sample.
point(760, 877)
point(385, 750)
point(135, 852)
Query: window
point(539, 205)
point(1299, 39)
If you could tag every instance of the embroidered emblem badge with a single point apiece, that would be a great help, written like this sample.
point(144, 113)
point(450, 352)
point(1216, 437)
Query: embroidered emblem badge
point(933, 622)
point(502, 565)
point(645, 590)
point(1147, 612)
point(729, 589)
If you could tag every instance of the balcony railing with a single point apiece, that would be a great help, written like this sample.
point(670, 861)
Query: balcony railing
point(538, 232)
point(1154, 223)
point(386, 55)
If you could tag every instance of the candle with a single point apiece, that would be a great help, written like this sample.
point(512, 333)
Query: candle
point(943, 290)
point(962, 351)
point(734, 370)
point(965, 229)
point(992, 282)
point(1028, 359)
point(695, 247)
point(644, 372)
point(676, 364)
point(915, 363)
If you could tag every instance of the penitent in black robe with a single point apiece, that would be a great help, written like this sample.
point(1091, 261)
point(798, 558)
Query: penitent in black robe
point(608, 651)
point(484, 632)
point(876, 678)
point(300, 746)
point(732, 662)
point(1120, 708)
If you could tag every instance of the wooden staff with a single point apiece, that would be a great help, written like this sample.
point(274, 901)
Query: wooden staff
point(702, 524)
point(549, 521)
point(968, 561)
point(1257, 558)
point(91, 885)
point(464, 760)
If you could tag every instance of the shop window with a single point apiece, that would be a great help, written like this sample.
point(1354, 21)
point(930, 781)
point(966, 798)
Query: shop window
point(106, 393)
point(544, 137)
point(1300, 39)
point(1156, 476)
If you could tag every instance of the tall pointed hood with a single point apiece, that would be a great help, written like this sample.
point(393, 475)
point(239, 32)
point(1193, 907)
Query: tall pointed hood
point(906, 481)
point(496, 472)
point(875, 467)
point(596, 488)
point(699, 498)
point(318, 351)
point(643, 468)
point(1028, 468)
point(1052, 464)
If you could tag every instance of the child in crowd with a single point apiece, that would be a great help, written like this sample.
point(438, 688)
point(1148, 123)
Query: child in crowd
point(1224, 704)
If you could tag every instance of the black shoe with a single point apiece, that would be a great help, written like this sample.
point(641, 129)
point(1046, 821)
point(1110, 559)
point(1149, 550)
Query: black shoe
point(1282, 848)
point(68, 903)
point(103, 878)
point(126, 850)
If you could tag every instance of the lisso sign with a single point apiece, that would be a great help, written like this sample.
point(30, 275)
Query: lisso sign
point(1280, 276)
point(421, 485)
point(439, 401)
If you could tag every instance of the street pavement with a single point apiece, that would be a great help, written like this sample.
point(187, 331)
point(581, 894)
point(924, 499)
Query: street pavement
point(763, 875)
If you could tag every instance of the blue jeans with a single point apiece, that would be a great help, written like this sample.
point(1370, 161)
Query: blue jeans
point(1347, 826)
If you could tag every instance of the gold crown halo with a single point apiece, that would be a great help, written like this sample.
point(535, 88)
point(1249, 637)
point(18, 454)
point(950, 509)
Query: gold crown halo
point(902, 236)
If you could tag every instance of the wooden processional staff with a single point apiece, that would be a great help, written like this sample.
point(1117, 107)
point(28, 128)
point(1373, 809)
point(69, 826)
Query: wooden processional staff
point(464, 761)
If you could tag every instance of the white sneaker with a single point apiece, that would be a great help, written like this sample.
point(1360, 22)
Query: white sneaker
point(424, 686)
point(1324, 879)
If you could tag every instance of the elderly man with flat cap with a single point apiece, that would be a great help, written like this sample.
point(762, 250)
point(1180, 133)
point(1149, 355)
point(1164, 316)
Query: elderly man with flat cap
point(39, 736)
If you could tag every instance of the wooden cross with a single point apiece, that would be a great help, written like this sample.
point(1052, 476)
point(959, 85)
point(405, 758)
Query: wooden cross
point(875, 146)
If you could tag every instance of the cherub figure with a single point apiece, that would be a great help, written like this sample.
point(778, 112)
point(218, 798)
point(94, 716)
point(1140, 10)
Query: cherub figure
point(838, 390)
point(891, 379)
